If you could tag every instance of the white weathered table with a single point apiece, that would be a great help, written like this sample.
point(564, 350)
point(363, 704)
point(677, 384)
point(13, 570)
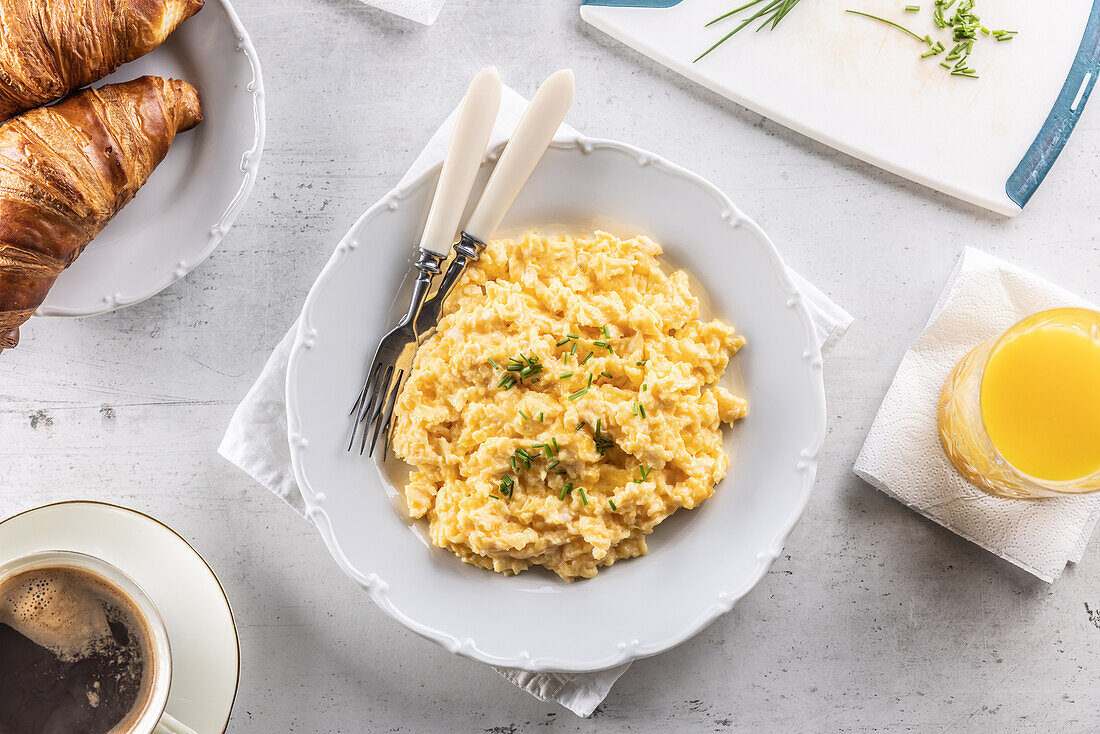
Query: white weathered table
point(873, 618)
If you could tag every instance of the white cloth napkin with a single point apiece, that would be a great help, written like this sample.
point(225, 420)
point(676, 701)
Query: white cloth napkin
point(256, 440)
point(904, 458)
point(422, 11)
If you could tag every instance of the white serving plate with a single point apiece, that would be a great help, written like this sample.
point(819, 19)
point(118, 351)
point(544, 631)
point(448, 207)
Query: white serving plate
point(192, 198)
point(700, 562)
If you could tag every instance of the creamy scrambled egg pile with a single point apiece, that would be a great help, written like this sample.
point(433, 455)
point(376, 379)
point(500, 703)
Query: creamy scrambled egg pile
point(566, 405)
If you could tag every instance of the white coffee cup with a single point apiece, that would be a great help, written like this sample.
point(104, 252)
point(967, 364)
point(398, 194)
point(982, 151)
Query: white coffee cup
point(154, 719)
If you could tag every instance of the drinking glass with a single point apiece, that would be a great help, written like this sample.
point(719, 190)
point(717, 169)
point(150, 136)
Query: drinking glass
point(963, 426)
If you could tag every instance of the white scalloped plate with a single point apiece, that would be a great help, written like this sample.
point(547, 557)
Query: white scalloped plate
point(701, 561)
point(191, 200)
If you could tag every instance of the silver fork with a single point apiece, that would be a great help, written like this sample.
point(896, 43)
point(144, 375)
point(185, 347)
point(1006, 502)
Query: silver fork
point(373, 408)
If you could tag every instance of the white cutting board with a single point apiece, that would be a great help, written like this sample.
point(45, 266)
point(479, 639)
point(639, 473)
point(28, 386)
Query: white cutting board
point(861, 86)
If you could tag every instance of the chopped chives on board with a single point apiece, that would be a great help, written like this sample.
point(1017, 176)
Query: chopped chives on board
point(912, 8)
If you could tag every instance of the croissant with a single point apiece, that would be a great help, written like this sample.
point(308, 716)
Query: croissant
point(50, 47)
point(66, 170)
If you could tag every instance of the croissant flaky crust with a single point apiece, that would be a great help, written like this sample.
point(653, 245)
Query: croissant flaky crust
point(50, 47)
point(66, 170)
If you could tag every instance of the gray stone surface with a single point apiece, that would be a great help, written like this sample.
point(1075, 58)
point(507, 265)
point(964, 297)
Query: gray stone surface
point(873, 619)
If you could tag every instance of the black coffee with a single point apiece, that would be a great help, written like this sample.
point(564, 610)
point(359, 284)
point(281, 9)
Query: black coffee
point(75, 655)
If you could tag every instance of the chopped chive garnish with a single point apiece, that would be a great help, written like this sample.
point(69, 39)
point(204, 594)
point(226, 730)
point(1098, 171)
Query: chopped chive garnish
point(912, 8)
point(565, 375)
point(605, 332)
point(546, 450)
point(641, 409)
point(589, 379)
point(641, 363)
point(635, 408)
point(507, 382)
point(554, 443)
point(552, 464)
point(525, 416)
point(540, 416)
point(612, 503)
point(494, 497)
point(610, 377)
point(515, 367)
point(573, 336)
point(507, 486)
point(580, 425)
point(600, 343)
point(644, 387)
point(530, 371)
point(587, 358)
point(565, 489)
point(493, 362)
point(578, 393)
point(513, 359)
point(563, 341)
point(512, 459)
point(573, 349)
point(523, 454)
point(583, 498)
point(598, 422)
point(537, 445)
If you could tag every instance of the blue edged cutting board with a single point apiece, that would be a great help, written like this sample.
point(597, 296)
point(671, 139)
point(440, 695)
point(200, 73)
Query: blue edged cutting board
point(861, 86)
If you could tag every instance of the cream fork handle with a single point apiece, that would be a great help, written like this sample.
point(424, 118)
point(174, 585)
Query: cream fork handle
point(465, 152)
point(530, 140)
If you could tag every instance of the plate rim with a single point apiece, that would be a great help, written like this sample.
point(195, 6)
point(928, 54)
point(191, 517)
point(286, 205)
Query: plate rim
point(378, 588)
point(250, 164)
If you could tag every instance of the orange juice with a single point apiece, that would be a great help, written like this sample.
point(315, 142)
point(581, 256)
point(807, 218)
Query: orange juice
point(1020, 414)
point(1040, 401)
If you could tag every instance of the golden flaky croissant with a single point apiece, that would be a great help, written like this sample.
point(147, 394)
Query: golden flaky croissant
point(48, 48)
point(66, 170)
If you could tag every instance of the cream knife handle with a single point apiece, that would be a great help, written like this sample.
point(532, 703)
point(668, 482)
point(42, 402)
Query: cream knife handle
point(473, 126)
point(532, 136)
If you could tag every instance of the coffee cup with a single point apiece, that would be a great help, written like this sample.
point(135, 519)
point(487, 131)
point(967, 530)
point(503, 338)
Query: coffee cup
point(87, 648)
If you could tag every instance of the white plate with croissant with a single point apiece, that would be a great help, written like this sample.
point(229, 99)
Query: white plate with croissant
point(131, 179)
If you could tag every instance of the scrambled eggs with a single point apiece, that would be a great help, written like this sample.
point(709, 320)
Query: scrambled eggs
point(566, 405)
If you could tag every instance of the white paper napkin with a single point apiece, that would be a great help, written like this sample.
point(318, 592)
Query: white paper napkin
point(422, 11)
point(904, 458)
point(256, 440)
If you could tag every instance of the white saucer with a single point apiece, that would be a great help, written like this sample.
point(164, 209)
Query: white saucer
point(205, 651)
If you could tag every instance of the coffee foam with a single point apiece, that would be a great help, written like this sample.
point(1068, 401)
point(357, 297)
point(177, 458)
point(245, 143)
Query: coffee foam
point(57, 609)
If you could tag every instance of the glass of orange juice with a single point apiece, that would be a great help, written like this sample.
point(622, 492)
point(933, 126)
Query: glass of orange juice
point(1020, 414)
